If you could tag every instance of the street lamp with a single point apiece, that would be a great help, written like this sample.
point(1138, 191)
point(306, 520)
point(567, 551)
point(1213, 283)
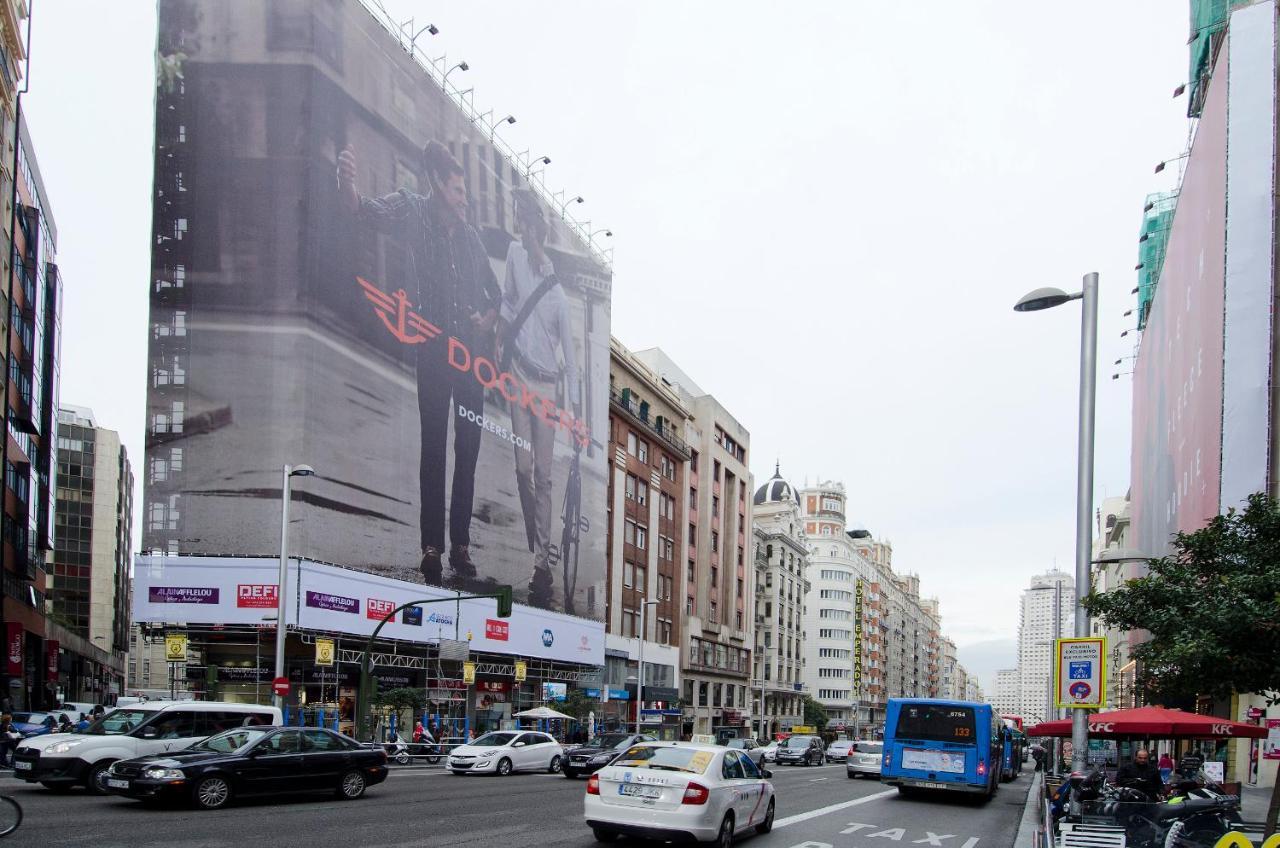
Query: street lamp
point(640, 664)
point(282, 593)
point(1046, 298)
point(461, 66)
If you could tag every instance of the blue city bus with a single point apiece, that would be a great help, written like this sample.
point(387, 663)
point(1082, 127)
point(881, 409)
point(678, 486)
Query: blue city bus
point(1014, 746)
point(931, 743)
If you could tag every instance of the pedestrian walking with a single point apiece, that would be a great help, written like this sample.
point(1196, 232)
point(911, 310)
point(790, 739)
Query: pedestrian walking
point(1166, 766)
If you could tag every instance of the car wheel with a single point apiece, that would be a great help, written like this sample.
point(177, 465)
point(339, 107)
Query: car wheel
point(504, 767)
point(95, 780)
point(604, 834)
point(352, 785)
point(554, 768)
point(569, 773)
point(213, 793)
point(724, 839)
point(851, 774)
point(766, 825)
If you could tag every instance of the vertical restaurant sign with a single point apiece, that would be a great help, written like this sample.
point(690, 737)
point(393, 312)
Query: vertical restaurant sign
point(13, 648)
point(857, 642)
point(51, 657)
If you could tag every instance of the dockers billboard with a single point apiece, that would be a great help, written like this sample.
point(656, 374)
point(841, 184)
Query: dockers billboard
point(348, 274)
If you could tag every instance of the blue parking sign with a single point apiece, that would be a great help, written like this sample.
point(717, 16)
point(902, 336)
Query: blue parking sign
point(1080, 669)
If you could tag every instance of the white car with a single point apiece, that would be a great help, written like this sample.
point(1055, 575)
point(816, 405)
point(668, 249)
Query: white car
point(839, 750)
point(505, 751)
point(678, 791)
point(770, 751)
point(864, 759)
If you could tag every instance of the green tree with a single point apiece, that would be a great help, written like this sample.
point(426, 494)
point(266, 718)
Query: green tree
point(576, 704)
point(815, 715)
point(406, 702)
point(1212, 608)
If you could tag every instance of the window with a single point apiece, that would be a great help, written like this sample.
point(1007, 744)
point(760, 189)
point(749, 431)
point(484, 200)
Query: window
point(630, 623)
point(715, 541)
point(629, 488)
point(714, 616)
point(738, 620)
point(642, 538)
point(642, 493)
point(322, 741)
point(740, 585)
point(629, 532)
point(632, 443)
point(688, 605)
point(642, 451)
point(715, 577)
point(628, 574)
point(715, 506)
point(642, 578)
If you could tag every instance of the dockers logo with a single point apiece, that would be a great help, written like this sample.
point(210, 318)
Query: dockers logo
point(406, 325)
point(409, 327)
point(258, 595)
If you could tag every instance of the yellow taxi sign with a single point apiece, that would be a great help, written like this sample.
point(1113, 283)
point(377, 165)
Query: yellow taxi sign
point(175, 647)
point(804, 728)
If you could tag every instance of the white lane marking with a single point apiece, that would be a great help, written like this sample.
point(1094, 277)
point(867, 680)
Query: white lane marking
point(417, 772)
point(933, 839)
point(816, 779)
point(822, 811)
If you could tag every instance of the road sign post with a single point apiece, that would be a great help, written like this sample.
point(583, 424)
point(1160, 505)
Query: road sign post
point(1080, 673)
point(280, 686)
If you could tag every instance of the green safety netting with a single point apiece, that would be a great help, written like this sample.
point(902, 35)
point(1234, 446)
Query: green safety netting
point(1208, 20)
point(1157, 219)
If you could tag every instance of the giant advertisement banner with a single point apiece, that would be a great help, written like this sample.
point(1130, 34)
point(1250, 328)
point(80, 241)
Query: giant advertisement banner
point(243, 590)
point(348, 273)
point(1177, 381)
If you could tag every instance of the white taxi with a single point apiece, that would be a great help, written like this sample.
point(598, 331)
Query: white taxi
point(502, 752)
point(679, 791)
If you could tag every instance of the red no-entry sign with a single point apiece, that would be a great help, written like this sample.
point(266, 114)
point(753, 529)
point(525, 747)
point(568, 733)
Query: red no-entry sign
point(280, 686)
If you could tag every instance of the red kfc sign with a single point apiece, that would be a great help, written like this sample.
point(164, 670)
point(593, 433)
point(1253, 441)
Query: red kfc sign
point(51, 657)
point(258, 595)
point(496, 630)
point(13, 648)
point(379, 609)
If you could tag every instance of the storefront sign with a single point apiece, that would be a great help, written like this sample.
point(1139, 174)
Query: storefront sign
point(492, 686)
point(522, 671)
point(1271, 745)
point(324, 652)
point(612, 694)
point(226, 590)
point(377, 608)
point(51, 657)
point(857, 642)
point(13, 649)
point(468, 673)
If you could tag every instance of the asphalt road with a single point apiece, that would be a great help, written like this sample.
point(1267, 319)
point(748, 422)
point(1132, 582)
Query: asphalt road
point(817, 808)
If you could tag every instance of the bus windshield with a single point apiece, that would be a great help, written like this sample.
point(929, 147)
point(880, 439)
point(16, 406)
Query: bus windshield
point(936, 723)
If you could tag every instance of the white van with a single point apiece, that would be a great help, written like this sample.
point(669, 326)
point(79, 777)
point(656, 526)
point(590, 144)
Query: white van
point(62, 760)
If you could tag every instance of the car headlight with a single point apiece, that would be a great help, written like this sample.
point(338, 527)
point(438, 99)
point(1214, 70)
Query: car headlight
point(157, 773)
point(601, 758)
point(487, 753)
point(64, 747)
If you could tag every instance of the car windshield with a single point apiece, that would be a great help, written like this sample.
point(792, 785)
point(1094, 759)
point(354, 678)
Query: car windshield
point(30, 718)
point(230, 741)
point(936, 723)
point(797, 742)
point(609, 740)
point(118, 721)
point(495, 739)
point(690, 760)
point(737, 743)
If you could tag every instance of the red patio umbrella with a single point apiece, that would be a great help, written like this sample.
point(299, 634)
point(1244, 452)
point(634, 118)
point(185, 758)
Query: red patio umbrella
point(1154, 722)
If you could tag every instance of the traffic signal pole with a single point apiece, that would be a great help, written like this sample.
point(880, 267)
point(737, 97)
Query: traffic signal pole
point(503, 596)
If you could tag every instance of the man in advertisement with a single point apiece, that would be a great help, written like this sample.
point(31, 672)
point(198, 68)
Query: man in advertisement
point(534, 327)
point(452, 284)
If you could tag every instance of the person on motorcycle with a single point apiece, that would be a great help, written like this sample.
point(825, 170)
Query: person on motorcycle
point(1141, 774)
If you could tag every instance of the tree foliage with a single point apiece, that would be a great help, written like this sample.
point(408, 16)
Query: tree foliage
point(1212, 608)
point(815, 715)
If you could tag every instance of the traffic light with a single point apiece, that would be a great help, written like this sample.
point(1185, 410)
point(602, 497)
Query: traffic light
point(504, 602)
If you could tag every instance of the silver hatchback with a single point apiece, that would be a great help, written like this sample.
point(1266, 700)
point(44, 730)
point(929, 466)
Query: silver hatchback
point(864, 759)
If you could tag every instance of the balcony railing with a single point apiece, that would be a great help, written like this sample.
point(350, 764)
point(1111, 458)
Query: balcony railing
point(622, 400)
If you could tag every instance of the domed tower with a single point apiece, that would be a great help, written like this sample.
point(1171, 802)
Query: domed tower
point(776, 490)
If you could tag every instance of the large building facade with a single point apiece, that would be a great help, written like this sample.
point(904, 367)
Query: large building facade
point(648, 514)
point(718, 586)
point(92, 556)
point(1045, 614)
point(782, 584)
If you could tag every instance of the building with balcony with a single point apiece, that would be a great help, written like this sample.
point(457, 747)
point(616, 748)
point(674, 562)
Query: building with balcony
point(781, 581)
point(718, 586)
point(646, 541)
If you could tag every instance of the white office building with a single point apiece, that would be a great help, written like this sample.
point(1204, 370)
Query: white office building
point(1046, 614)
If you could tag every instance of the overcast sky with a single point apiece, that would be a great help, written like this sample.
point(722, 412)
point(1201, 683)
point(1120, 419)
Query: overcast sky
point(823, 211)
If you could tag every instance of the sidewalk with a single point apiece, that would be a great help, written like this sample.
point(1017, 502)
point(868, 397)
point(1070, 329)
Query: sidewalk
point(1029, 825)
point(1253, 802)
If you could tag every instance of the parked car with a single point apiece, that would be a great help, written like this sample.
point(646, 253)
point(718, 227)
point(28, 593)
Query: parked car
point(750, 747)
point(598, 752)
point(253, 760)
point(35, 724)
point(677, 791)
point(801, 751)
point(864, 759)
point(60, 761)
point(770, 751)
point(838, 751)
point(502, 752)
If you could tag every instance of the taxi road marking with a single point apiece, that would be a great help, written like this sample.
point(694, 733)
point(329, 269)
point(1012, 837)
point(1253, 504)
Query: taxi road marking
point(822, 811)
point(897, 833)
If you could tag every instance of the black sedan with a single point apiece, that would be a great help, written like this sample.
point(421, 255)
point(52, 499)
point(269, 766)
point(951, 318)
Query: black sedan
point(253, 761)
point(598, 752)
